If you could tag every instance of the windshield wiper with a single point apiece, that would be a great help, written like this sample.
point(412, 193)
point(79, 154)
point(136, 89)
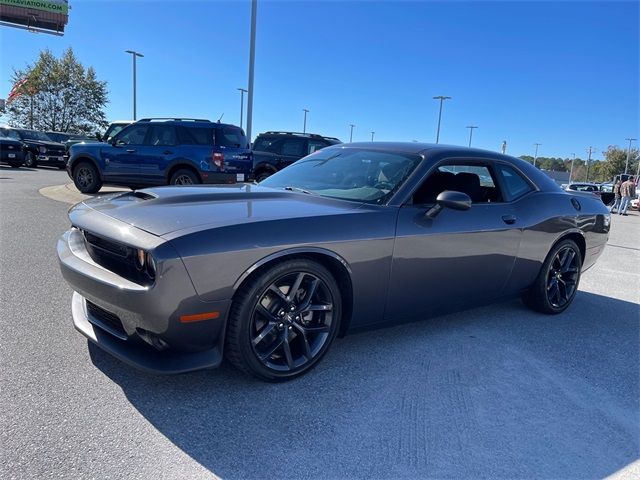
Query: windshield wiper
point(296, 189)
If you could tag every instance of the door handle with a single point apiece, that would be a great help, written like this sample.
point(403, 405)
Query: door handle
point(509, 219)
point(130, 150)
point(167, 152)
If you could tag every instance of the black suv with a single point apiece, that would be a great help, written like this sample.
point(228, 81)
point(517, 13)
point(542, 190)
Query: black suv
point(272, 151)
point(38, 147)
point(161, 151)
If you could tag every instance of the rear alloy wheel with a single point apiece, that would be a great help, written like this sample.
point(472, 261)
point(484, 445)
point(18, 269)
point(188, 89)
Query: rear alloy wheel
point(557, 282)
point(262, 175)
point(30, 160)
point(282, 322)
point(86, 178)
point(184, 177)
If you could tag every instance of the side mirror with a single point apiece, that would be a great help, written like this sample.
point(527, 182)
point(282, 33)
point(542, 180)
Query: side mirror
point(98, 136)
point(450, 199)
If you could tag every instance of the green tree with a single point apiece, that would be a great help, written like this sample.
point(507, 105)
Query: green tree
point(59, 95)
point(616, 159)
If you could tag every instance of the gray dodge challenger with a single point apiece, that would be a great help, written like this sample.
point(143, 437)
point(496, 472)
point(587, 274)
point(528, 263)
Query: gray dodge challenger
point(351, 237)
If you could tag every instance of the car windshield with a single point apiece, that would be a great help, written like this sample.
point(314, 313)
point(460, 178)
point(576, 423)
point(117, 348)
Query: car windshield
point(13, 134)
point(356, 174)
point(34, 135)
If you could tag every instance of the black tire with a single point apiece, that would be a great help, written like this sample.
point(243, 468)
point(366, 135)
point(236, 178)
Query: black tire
point(15, 164)
point(276, 337)
point(557, 283)
point(30, 160)
point(86, 177)
point(262, 175)
point(184, 176)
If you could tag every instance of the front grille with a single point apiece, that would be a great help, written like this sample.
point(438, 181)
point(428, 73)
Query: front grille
point(105, 320)
point(116, 257)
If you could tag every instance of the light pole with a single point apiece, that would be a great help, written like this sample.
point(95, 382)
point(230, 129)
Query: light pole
point(626, 165)
point(242, 92)
point(252, 61)
point(134, 55)
point(372, 134)
point(591, 150)
point(351, 134)
point(535, 157)
point(471, 127)
point(442, 98)
point(304, 125)
point(571, 171)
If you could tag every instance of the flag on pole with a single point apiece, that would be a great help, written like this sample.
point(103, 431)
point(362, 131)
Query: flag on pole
point(15, 91)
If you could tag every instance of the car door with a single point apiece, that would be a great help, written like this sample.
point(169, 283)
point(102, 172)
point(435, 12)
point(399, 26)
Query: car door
point(232, 143)
point(459, 258)
point(121, 159)
point(159, 150)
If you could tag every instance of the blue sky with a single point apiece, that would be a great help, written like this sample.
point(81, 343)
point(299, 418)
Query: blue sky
point(564, 74)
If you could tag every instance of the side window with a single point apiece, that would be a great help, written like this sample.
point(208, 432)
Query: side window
point(264, 144)
point(230, 137)
point(475, 180)
point(293, 147)
point(162, 135)
point(315, 145)
point(133, 135)
point(514, 184)
point(196, 136)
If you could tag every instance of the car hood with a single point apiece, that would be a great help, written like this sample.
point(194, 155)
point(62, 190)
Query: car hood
point(166, 210)
point(47, 145)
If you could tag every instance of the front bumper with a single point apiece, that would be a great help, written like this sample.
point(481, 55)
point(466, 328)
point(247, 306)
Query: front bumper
point(57, 159)
point(149, 333)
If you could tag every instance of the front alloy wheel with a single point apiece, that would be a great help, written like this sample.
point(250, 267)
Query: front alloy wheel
point(557, 283)
point(283, 321)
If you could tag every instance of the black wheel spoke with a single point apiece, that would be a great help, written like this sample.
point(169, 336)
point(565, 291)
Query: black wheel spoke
point(314, 329)
point(295, 287)
point(266, 313)
point(305, 342)
point(268, 328)
point(287, 350)
point(278, 292)
point(319, 308)
point(568, 260)
point(272, 349)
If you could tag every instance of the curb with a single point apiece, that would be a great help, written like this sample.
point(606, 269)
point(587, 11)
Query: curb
point(68, 193)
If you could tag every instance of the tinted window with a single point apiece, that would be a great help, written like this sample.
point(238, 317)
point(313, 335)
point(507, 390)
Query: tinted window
point(514, 184)
point(113, 130)
point(133, 135)
point(293, 147)
point(162, 135)
point(34, 135)
point(265, 144)
point(474, 180)
point(230, 137)
point(197, 136)
point(10, 134)
point(315, 145)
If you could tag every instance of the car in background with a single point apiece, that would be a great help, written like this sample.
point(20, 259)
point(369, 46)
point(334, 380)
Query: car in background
point(11, 152)
point(272, 151)
point(163, 151)
point(38, 147)
point(62, 137)
point(350, 237)
point(634, 204)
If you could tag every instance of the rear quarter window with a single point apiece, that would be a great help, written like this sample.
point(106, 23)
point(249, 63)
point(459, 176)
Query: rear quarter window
point(515, 185)
point(196, 136)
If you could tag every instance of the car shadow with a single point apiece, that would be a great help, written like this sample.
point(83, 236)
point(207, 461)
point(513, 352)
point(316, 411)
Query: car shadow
point(497, 391)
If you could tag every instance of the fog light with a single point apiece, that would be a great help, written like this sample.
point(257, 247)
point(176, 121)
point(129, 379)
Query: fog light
point(152, 339)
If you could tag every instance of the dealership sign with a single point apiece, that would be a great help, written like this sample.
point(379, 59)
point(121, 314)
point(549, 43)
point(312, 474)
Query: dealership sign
point(50, 16)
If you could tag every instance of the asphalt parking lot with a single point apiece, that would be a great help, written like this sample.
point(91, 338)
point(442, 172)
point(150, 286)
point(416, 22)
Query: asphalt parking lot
point(497, 392)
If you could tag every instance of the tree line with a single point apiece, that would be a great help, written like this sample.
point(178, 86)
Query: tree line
point(604, 170)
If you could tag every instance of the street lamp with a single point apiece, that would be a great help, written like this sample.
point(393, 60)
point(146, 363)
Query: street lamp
point(591, 150)
point(134, 55)
point(471, 127)
point(626, 165)
point(252, 61)
point(351, 134)
point(304, 126)
point(442, 98)
point(242, 92)
point(535, 157)
point(571, 171)
point(372, 134)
